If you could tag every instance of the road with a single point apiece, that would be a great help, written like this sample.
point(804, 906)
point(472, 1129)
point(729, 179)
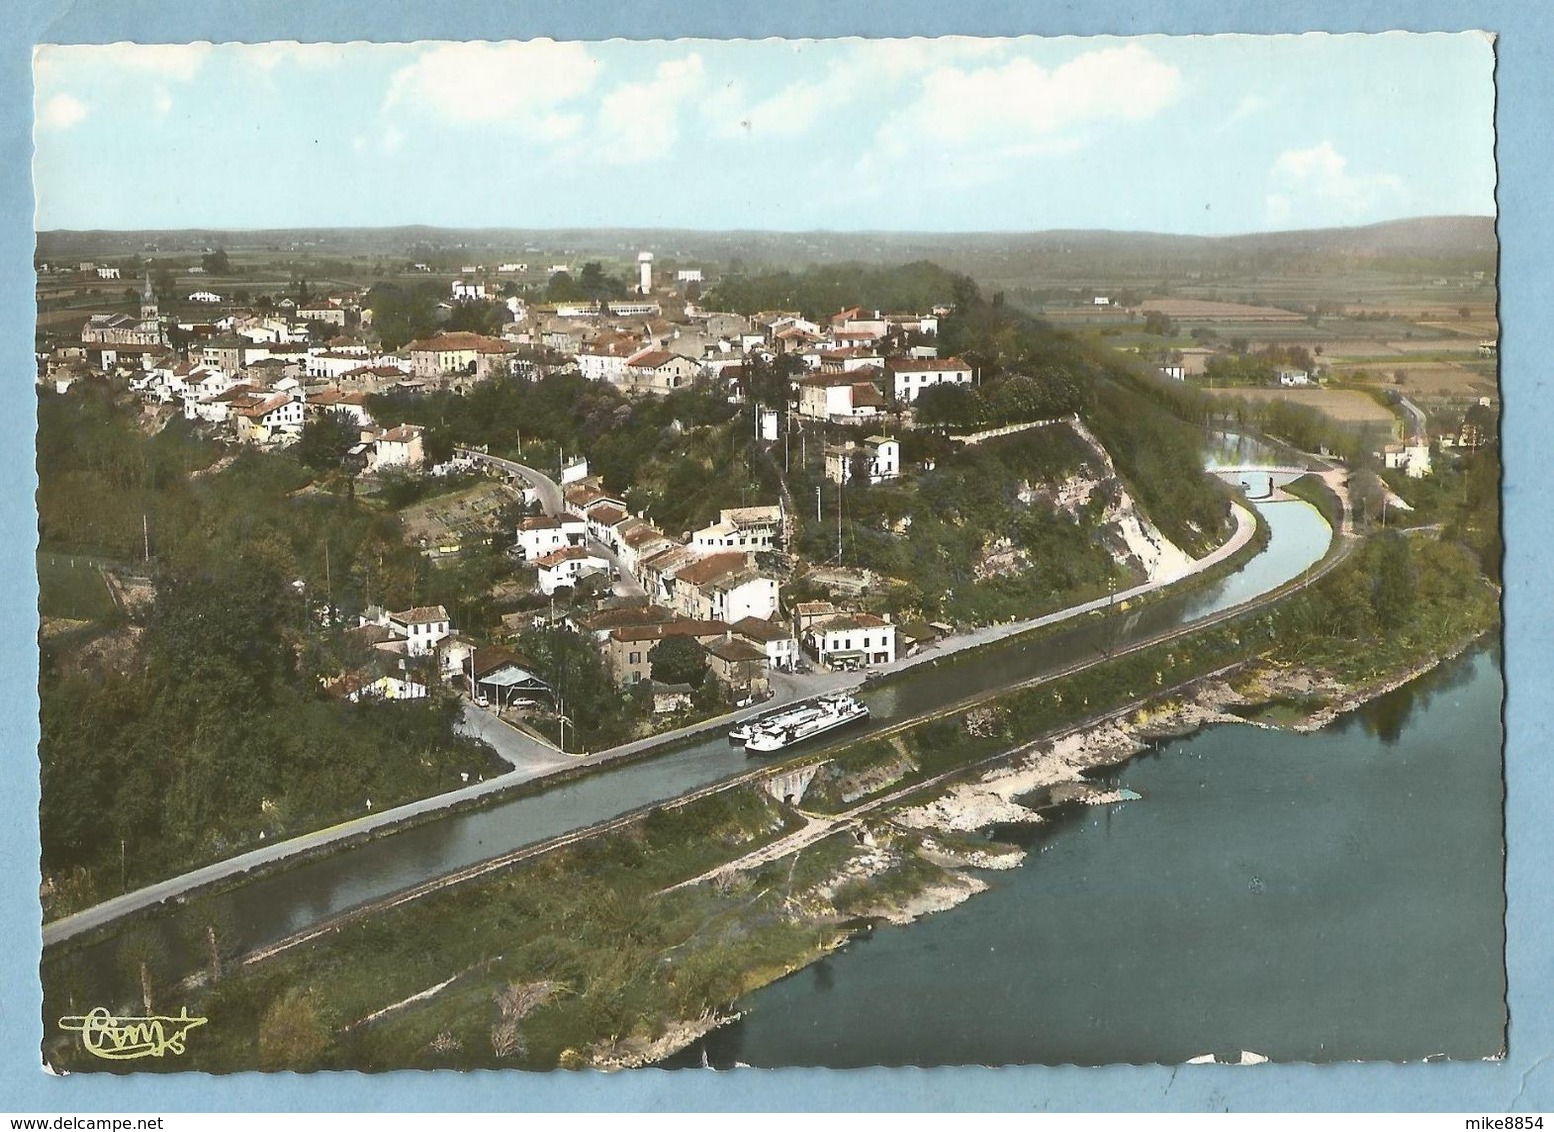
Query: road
point(531, 761)
point(552, 502)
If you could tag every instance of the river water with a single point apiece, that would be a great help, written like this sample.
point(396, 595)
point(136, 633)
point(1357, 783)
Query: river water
point(1321, 897)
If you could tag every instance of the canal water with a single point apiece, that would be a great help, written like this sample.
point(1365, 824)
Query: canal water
point(273, 907)
point(1322, 897)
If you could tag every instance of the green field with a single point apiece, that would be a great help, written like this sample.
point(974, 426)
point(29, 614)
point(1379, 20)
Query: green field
point(72, 586)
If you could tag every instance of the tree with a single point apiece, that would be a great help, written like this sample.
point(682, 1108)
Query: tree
point(678, 660)
point(291, 1033)
point(216, 262)
point(163, 283)
point(326, 439)
point(562, 288)
point(1392, 593)
point(944, 405)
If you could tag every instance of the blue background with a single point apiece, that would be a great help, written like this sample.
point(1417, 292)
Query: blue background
point(1524, 1081)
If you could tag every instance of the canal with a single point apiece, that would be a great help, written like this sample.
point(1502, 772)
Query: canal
point(1310, 897)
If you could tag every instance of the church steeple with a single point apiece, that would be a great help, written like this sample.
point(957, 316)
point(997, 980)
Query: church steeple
point(148, 307)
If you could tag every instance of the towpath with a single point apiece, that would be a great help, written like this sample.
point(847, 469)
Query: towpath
point(531, 765)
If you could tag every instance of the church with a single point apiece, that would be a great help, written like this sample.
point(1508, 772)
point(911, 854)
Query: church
point(122, 330)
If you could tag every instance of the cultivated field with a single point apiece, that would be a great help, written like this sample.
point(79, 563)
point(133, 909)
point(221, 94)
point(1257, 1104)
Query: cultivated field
point(1446, 380)
point(1203, 310)
point(1344, 406)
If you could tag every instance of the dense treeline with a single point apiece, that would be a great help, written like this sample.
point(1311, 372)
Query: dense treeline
point(1147, 425)
point(182, 737)
point(820, 292)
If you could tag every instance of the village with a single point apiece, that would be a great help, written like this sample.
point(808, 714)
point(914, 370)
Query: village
point(690, 622)
point(708, 603)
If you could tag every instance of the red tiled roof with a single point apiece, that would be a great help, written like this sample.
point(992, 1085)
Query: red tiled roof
point(913, 365)
point(421, 615)
point(850, 621)
point(564, 554)
point(641, 536)
point(713, 566)
point(606, 514)
point(268, 405)
point(403, 434)
point(659, 631)
point(866, 396)
point(453, 340)
point(759, 629)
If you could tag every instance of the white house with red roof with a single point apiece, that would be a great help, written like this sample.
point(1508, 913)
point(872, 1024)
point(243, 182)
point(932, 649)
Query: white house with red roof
point(538, 535)
point(838, 396)
point(399, 447)
point(422, 627)
point(565, 566)
point(659, 371)
point(910, 376)
point(852, 640)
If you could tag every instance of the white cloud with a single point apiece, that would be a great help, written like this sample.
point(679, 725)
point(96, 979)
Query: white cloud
point(61, 112)
point(640, 121)
point(1248, 106)
point(863, 65)
point(1315, 185)
point(518, 84)
point(1018, 109)
point(795, 109)
point(268, 56)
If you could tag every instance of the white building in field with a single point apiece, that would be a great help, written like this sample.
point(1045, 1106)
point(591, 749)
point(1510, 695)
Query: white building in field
point(468, 291)
point(1411, 457)
point(882, 453)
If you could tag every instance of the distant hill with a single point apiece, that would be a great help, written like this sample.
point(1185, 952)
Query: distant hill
point(1445, 243)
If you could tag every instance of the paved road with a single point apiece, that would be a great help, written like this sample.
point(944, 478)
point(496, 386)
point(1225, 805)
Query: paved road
point(1415, 417)
point(530, 765)
point(552, 502)
point(548, 489)
point(527, 755)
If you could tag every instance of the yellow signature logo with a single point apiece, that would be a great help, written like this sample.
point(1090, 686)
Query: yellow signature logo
point(123, 1039)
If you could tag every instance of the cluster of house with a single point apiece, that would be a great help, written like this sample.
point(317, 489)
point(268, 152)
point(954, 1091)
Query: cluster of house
point(853, 368)
point(707, 586)
point(408, 650)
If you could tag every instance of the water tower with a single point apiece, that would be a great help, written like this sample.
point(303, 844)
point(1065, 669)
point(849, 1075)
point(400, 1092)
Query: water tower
point(644, 272)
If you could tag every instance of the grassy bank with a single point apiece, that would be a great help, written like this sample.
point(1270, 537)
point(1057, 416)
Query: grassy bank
point(581, 957)
point(1314, 490)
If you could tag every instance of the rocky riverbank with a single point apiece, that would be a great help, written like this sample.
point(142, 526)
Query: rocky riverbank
point(934, 832)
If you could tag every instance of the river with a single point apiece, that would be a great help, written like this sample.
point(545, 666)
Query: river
point(1311, 897)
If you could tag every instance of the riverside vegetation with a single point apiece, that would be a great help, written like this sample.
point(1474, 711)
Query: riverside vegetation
point(581, 956)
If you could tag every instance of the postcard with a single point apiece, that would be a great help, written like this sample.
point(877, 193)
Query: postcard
point(966, 551)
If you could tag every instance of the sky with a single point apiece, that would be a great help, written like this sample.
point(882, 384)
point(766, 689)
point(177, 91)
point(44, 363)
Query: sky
point(1202, 135)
